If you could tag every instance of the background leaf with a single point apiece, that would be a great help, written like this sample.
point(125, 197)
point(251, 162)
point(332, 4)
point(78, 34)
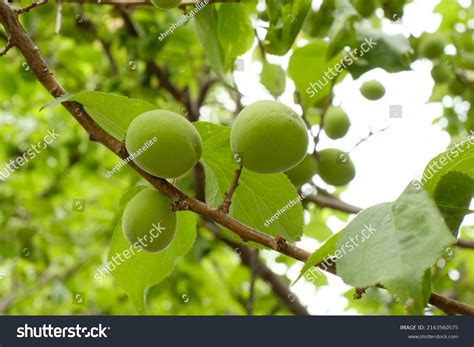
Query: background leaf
point(286, 20)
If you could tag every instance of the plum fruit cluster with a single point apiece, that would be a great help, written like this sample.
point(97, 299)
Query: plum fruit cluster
point(267, 137)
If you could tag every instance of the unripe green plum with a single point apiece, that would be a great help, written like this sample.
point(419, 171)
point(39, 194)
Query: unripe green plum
point(364, 7)
point(456, 87)
point(148, 221)
point(441, 73)
point(269, 137)
point(372, 90)
point(166, 4)
point(304, 171)
point(336, 123)
point(432, 46)
point(335, 167)
point(178, 144)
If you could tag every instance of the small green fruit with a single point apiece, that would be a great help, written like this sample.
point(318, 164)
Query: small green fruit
point(269, 137)
point(336, 123)
point(372, 90)
point(432, 46)
point(456, 87)
point(304, 171)
point(148, 221)
point(166, 4)
point(335, 167)
point(441, 73)
point(178, 144)
point(364, 7)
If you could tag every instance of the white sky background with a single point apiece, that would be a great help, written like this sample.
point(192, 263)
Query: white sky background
point(388, 161)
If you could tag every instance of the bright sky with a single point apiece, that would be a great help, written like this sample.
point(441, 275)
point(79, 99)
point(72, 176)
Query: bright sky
point(388, 161)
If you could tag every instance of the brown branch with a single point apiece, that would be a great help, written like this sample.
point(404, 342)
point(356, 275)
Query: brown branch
point(450, 306)
point(333, 203)
point(465, 244)
point(225, 206)
point(39, 67)
point(31, 6)
point(279, 287)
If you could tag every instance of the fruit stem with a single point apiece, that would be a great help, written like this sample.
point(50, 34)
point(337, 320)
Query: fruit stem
point(225, 206)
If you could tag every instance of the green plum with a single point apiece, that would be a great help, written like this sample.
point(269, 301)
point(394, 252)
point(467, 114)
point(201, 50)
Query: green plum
point(304, 171)
point(148, 222)
point(372, 90)
point(269, 137)
point(335, 167)
point(441, 73)
point(178, 144)
point(432, 46)
point(336, 123)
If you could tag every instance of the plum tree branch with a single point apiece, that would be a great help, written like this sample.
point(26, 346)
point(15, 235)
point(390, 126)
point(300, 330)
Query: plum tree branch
point(39, 67)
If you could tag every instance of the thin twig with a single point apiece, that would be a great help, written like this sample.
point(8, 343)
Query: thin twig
point(371, 133)
point(7, 47)
point(225, 206)
point(59, 16)
point(31, 6)
point(327, 103)
point(253, 277)
point(276, 282)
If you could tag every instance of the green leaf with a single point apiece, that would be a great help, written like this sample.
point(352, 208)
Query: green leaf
point(342, 32)
point(207, 29)
point(258, 196)
point(286, 19)
point(323, 253)
point(389, 52)
point(273, 77)
point(312, 72)
point(111, 112)
point(453, 195)
point(142, 269)
point(235, 31)
point(459, 158)
point(393, 244)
